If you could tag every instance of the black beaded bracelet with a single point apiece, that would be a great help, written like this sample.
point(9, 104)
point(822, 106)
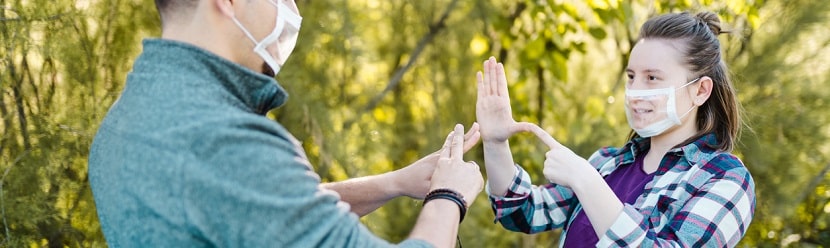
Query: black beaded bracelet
point(449, 195)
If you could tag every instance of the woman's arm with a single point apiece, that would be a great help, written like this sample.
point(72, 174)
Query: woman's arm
point(518, 205)
point(717, 214)
point(495, 116)
point(565, 168)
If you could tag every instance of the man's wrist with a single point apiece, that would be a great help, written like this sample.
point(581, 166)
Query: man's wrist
point(450, 195)
point(390, 185)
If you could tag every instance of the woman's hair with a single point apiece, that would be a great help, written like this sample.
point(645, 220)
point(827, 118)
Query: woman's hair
point(702, 52)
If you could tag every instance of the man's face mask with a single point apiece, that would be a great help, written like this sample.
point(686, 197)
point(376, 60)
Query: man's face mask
point(284, 35)
point(654, 106)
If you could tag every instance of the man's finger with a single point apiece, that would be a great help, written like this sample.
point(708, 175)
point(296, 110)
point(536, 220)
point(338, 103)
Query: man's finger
point(474, 164)
point(472, 137)
point(471, 141)
point(445, 149)
point(473, 129)
point(448, 140)
point(457, 149)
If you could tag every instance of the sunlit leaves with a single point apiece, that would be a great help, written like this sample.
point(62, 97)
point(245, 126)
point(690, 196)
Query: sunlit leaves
point(563, 58)
point(478, 45)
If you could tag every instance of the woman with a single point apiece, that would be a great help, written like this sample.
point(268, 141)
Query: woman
point(674, 183)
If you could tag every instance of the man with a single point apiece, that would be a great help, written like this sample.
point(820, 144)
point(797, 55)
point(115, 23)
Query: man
point(186, 157)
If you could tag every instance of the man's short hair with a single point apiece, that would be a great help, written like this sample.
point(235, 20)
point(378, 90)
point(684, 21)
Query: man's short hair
point(175, 8)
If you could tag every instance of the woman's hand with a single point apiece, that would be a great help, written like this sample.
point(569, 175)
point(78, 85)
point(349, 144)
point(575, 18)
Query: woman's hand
point(493, 111)
point(562, 166)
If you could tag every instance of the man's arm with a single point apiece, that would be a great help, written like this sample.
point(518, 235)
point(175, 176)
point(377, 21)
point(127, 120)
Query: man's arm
point(365, 194)
point(438, 223)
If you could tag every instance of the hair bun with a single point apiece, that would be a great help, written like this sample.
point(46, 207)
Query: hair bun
point(711, 20)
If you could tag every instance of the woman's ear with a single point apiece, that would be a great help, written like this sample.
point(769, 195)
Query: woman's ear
point(704, 90)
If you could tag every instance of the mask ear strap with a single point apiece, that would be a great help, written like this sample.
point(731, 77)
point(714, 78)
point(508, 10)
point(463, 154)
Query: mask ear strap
point(687, 112)
point(244, 30)
point(691, 82)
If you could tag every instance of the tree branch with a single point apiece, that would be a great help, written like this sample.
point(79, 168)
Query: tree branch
point(434, 28)
point(35, 90)
point(4, 114)
point(21, 113)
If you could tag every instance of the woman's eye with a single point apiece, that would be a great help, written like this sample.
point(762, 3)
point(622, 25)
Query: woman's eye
point(652, 78)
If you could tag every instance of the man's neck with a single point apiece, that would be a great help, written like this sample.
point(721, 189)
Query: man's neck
point(202, 33)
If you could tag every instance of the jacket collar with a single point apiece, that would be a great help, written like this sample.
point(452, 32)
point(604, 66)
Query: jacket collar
point(692, 152)
point(255, 90)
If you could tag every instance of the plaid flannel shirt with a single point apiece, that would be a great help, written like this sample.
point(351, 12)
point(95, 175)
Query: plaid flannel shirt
point(699, 197)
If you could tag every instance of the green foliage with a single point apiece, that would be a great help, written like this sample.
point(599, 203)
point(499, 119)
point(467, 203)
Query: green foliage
point(377, 84)
point(61, 71)
point(783, 77)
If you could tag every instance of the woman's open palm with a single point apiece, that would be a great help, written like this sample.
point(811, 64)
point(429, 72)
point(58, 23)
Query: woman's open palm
point(493, 111)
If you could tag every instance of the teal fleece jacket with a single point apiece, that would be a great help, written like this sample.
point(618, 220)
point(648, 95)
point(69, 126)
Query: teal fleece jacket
point(186, 158)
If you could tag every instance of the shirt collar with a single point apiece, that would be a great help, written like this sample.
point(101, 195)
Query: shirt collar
point(694, 151)
point(257, 91)
point(706, 143)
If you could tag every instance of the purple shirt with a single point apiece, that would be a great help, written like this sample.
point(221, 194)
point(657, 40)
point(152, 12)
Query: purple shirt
point(628, 183)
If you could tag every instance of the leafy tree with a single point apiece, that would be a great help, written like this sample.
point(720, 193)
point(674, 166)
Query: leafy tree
point(782, 76)
point(63, 65)
point(377, 84)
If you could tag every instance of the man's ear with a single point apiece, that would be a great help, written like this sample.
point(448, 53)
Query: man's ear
point(703, 91)
point(224, 7)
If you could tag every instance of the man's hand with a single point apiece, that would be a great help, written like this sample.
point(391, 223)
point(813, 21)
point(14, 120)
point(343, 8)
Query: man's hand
point(414, 180)
point(453, 173)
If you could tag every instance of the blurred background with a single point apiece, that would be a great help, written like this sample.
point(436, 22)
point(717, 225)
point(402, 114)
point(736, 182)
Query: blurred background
point(377, 84)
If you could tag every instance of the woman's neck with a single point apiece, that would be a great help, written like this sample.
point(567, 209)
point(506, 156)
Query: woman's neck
point(661, 144)
point(676, 135)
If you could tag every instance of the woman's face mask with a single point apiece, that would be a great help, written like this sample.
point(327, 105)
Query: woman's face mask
point(653, 111)
point(284, 35)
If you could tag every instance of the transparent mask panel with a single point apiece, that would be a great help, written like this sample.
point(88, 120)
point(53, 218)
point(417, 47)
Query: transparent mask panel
point(645, 109)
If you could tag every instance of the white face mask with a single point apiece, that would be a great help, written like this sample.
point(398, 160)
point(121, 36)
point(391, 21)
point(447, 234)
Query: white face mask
point(655, 98)
point(284, 34)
